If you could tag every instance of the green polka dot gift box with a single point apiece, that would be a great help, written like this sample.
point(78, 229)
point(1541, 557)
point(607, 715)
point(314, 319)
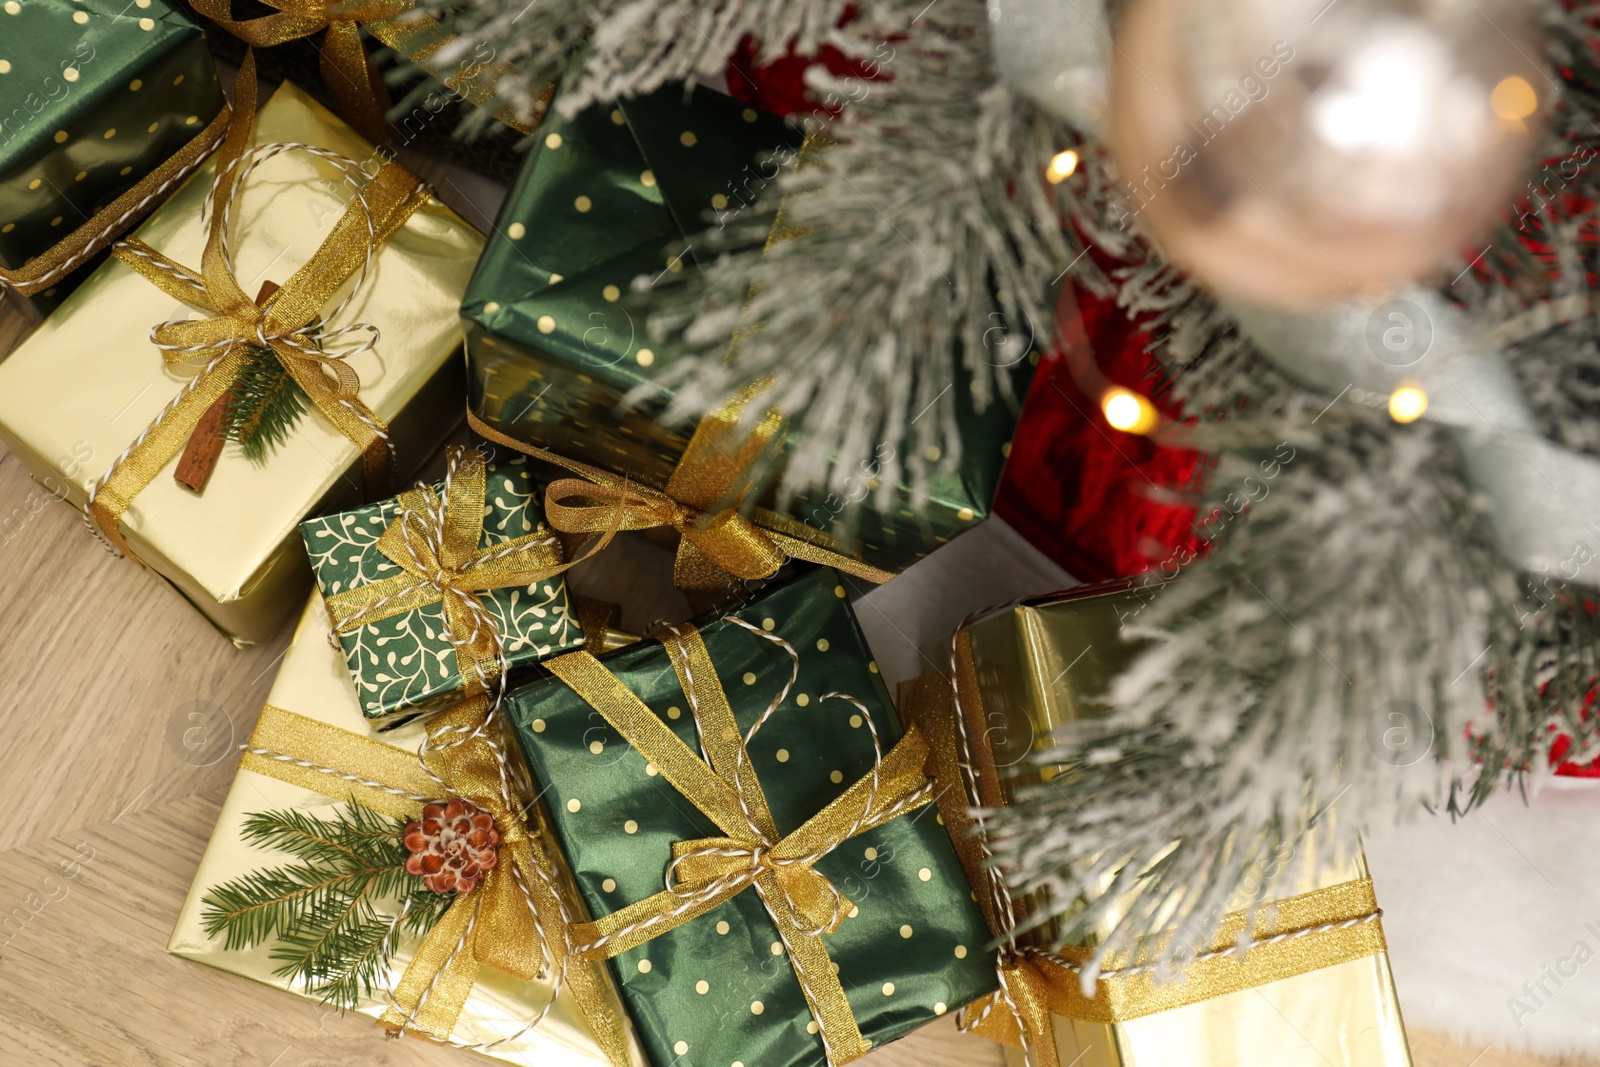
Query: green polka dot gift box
point(405, 665)
point(94, 96)
point(556, 339)
point(749, 825)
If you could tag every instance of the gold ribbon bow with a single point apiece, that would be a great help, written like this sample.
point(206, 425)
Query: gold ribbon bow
point(514, 921)
point(359, 89)
point(719, 543)
point(434, 542)
point(704, 873)
point(1319, 929)
point(235, 322)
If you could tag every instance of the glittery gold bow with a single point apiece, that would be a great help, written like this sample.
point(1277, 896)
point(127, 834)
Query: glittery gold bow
point(704, 873)
point(1319, 929)
point(719, 544)
point(515, 920)
point(434, 542)
point(117, 217)
point(359, 89)
point(235, 322)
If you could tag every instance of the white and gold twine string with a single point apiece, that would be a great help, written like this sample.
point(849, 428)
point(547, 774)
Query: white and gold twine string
point(116, 225)
point(348, 169)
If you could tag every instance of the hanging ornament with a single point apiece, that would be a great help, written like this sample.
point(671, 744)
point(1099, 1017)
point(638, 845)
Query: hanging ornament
point(1290, 152)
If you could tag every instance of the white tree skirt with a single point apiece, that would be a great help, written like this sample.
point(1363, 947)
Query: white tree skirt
point(1493, 921)
point(1472, 909)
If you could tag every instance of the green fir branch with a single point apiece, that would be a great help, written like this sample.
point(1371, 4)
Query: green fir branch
point(265, 406)
point(362, 834)
point(329, 914)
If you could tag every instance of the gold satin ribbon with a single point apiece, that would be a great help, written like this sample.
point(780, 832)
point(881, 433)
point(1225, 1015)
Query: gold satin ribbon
point(236, 322)
point(512, 921)
point(719, 544)
point(117, 217)
point(359, 89)
point(434, 542)
point(1305, 933)
point(704, 873)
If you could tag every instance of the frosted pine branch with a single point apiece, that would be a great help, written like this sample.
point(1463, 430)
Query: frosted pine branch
point(1359, 582)
point(930, 243)
point(612, 48)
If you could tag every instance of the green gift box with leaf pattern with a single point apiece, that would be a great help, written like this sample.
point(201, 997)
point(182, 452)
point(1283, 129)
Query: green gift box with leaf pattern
point(406, 664)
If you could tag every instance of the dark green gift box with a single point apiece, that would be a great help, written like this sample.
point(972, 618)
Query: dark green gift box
point(405, 665)
point(718, 989)
point(94, 94)
point(624, 190)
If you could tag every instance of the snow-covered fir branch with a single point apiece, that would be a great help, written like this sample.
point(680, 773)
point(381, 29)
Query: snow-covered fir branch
point(930, 241)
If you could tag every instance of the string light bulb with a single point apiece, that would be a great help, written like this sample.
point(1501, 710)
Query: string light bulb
point(1128, 411)
point(1062, 166)
point(1407, 404)
point(1513, 99)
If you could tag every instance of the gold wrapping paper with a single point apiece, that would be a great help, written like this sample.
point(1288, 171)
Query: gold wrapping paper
point(84, 386)
point(1036, 665)
point(312, 682)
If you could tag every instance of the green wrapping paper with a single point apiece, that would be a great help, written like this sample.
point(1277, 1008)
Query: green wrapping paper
point(624, 190)
point(93, 96)
point(405, 666)
point(719, 989)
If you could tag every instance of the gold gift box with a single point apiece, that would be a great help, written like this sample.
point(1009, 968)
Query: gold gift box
point(83, 387)
point(313, 682)
point(1037, 665)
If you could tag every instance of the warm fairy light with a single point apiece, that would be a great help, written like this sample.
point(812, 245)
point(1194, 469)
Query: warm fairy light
point(1128, 411)
point(1407, 403)
point(1062, 166)
point(1514, 99)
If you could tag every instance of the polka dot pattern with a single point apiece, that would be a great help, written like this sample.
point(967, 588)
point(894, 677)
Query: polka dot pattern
point(909, 913)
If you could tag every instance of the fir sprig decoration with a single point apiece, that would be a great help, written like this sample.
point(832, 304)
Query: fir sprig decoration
point(330, 915)
point(264, 406)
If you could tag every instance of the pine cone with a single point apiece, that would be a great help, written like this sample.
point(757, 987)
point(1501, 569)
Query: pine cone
point(452, 847)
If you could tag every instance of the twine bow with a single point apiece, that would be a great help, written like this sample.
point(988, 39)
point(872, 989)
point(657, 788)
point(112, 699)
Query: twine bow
point(1319, 929)
point(434, 542)
point(719, 544)
point(283, 324)
point(514, 921)
point(358, 88)
point(704, 873)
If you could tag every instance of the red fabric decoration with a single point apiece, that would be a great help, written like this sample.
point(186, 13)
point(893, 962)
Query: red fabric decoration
point(780, 86)
point(1563, 745)
point(1079, 490)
